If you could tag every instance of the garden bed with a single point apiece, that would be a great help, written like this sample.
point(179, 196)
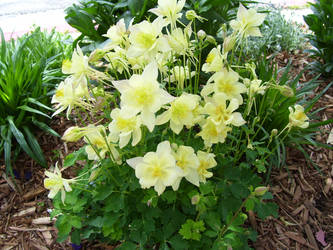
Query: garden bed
point(305, 209)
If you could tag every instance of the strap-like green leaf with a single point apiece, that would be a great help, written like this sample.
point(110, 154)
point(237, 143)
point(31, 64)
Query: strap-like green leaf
point(20, 138)
point(44, 127)
point(32, 110)
point(34, 101)
point(35, 146)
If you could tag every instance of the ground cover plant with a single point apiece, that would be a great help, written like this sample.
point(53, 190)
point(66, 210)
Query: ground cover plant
point(94, 17)
point(321, 24)
point(175, 140)
point(29, 70)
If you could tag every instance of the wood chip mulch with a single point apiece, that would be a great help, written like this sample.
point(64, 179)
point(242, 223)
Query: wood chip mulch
point(305, 199)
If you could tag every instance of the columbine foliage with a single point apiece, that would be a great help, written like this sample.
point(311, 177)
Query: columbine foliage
point(173, 159)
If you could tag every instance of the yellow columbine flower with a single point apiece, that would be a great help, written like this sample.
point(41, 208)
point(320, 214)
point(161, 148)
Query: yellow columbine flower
point(214, 60)
point(146, 39)
point(117, 33)
point(180, 113)
point(226, 82)
point(213, 132)
point(247, 22)
point(178, 41)
point(142, 94)
point(171, 9)
point(297, 117)
point(187, 160)
point(55, 183)
point(117, 59)
point(96, 137)
point(206, 161)
point(156, 169)
point(125, 125)
point(216, 107)
point(69, 94)
point(78, 66)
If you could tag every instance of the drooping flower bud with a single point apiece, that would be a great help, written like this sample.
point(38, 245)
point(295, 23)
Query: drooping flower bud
point(260, 191)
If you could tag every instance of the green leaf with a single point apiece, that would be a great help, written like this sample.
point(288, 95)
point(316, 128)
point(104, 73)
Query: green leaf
point(178, 243)
point(35, 146)
point(206, 188)
point(76, 237)
point(96, 222)
point(192, 229)
point(20, 138)
point(44, 127)
point(76, 222)
point(32, 110)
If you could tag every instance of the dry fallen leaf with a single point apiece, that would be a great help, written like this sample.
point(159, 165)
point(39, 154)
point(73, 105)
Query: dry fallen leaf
point(320, 236)
point(330, 137)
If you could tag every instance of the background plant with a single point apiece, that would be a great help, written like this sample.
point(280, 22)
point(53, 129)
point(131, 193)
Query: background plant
point(29, 70)
point(94, 17)
point(321, 24)
point(237, 114)
point(278, 33)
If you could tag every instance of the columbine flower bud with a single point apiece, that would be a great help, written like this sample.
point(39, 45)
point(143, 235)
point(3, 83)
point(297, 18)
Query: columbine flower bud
point(210, 39)
point(96, 55)
point(201, 34)
point(286, 91)
point(229, 43)
point(73, 134)
point(195, 199)
point(274, 132)
point(260, 191)
point(191, 15)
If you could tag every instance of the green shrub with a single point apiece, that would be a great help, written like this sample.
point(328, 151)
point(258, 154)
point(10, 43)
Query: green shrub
point(92, 18)
point(278, 34)
point(321, 24)
point(174, 157)
point(30, 68)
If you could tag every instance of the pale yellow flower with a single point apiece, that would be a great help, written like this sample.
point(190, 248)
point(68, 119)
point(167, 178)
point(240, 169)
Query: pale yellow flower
point(187, 160)
point(206, 161)
point(116, 33)
point(146, 39)
point(297, 117)
point(100, 143)
point(170, 9)
point(142, 94)
point(179, 40)
point(156, 169)
point(55, 183)
point(214, 60)
point(117, 59)
point(255, 86)
point(247, 22)
point(213, 132)
point(125, 125)
point(225, 81)
point(180, 113)
point(179, 74)
point(70, 93)
point(216, 107)
point(78, 66)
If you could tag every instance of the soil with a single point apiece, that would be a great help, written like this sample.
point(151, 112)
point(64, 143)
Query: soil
point(305, 205)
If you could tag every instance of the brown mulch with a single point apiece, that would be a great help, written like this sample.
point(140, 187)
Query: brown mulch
point(305, 204)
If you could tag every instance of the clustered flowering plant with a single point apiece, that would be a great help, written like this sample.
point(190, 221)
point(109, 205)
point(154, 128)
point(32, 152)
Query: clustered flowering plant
point(173, 144)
